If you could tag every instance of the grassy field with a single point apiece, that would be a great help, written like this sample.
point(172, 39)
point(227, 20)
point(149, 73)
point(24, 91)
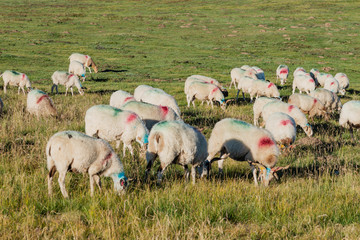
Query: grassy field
point(160, 43)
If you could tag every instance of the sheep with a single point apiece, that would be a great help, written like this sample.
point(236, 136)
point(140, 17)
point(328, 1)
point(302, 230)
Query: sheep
point(237, 73)
point(242, 141)
point(258, 106)
point(299, 70)
point(282, 73)
point(321, 77)
point(68, 80)
point(139, 91)
point(259, 73)
point(282, 127)
point(332, 85)
point(291, 110)
point(150, 113)
point(343, 80)
point(76, 152)
point(205, 92)
point(113, 124)
point(78, 69)
point(245, 84)
point(308, 104)
point(40, 104)
point(160, 97)
point(336, 105)
point(120, 97)
point(263, 88)
point(314, 74)
point(14, 78)
point(86, 60)
point(200, 78)
point(328, 98)
point(175, 142)
point(350, 116)
point(304, 83)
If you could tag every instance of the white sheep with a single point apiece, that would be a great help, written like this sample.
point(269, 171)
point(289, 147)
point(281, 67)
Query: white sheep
point(332, 85)
point(344, 82)
point(86, 60)
point(139, 91)
point(78, 69)
point(119, 98)
point(321, 77)
point(350, 116)
point(205, 92)
point(18, 79)
point(175, 142)
point(150, 113)
point(158, 96)
point(245, 85)
point(263, 88)
point(76, 152)
point(68, 80)
point(299, 70)
point(304, 83)
point(40, 104)
point(328, 98)
point(237, 73)
point(282, 127)
point(113, 124)
point(282, 73)
point(291, 110)
point(259, 73)
point(242, 141)
point(258, 106)
point(308, 104)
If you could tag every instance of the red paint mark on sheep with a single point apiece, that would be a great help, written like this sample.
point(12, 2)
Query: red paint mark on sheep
point(107, 157)
point(212, 82)
point(315, 100)
point(127, 99)
point(23, 77)
point(164, 110)
point(332, 83)
point(70, 76)
point(283, 71)
point(131, 118)
point(86, 56)
point(214, 90)
point(285, 122)
point(328, 75)
point(311, 80)
point(270, 85)
point(41, 98)
point(290, 108)
point(265, 142)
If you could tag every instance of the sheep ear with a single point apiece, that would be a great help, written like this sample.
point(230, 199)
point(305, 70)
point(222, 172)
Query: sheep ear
point(276, 169)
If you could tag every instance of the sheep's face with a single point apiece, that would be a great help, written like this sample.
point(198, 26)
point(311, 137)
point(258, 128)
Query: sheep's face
point(267, 174)
point(308, 130)
point(342, 92)
point(81, 91)
point(120, 182)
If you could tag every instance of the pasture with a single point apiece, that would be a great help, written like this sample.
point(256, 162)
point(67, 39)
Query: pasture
point(161, 43)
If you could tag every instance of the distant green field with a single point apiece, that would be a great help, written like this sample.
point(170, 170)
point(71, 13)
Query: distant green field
point(161, 43)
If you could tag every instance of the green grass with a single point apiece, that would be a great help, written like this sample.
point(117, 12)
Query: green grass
point(160, 43)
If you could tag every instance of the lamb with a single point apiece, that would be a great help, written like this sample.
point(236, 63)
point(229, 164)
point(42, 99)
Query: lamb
point(237, 73)
point(40, 104)
point(350, 116)
point(86, 60)
point(200, 78)
point(175, 142)
point(205, 91)
point(120, 97)
point(309, 105)
point(242, 141)
point(282, 127)
point(321, 77)
point(68, 80)
point(259, 73)
point(113, 124)
point(139, 91)
point(291, 110)
point(328, 98)
point(332, 85)
point(157, 96)
point(76, 152)
point(14, 78)
point(343, 82)
point(304, 83)
point(263, 88)
point(258, 106)
point(299, 70)
point(282, 73)
point(245, 84)
point(150, 113)
point(78, 69)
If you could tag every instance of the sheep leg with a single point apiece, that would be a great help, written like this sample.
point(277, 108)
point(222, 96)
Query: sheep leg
point(124, 150)
point(188, 100)
point(187, 173)
point(50, 185)
point(97, 181)
point(149, 165)
point(23, 90)
point(254, 170)
point(160, 174)
point(351, 133)
point(220, 166)
point(193, 103)
point(89, 69)
point(72, 92)
point(5, 87)
point(19, 90)
point(61, 181)
point(212, 104)
point(118, 143)
point(231, 84)
point(66, 90)
point(193, 174)
point(237, 95)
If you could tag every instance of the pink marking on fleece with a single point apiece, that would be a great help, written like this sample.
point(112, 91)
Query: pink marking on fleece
point(41, 98)
point(311, 80)
point(290, 108)
point(127, 99)
point(343, 76)
point(164, 110)
point(212, 82)
point(328, 75)
point(86, 56)
point(23, 77)
point(70, 76)
point(315, 100)
point(270, 85)
point(131, 118)
point(265, 142)
point(285, 122)
point(332, 83)
point(214, 90)
point(107, 157)
point(283, 71)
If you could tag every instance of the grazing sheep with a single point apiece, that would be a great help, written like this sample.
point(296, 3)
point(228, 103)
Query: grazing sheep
point(242, 141)
point(332, 85)
point(282, 127)
point(304, 83)
point(350, 116)
point(139, 91)
point(200, 78)
point(86, 60)
point(321, 77)
point(237, 73)
point(205, 92)
point(282, 73)
point(245, 85)
point(175, 142)
point(309, 105)
point(157, 96)
point(78, 69)
point(150, 113)
point(328, 98)
point(291, 110)
point(68, 80)
point(76, 152)
point(119, 98)
point(263, 88)
point(40, 104)
point(113, 124)
point(259, 73)
point(14, 78)
point(344, 82)
point(258, 106)
point(299, 70)
point(314, 74)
